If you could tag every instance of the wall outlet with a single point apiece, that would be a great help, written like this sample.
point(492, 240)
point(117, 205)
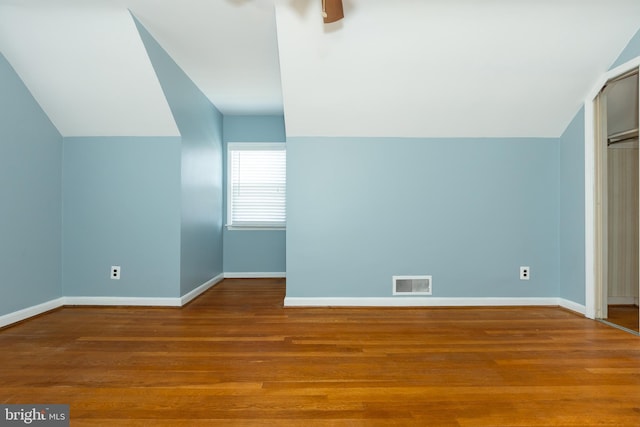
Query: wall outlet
point(525, 273)
point(115, 272)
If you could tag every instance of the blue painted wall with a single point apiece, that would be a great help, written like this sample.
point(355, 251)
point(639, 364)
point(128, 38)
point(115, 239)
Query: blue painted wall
point(467, 211)
point(121, 207)
point(572, 221)
point(630, 51)
point(253, 250)
point(200, 125)
point(30, 194)
point(572, 196)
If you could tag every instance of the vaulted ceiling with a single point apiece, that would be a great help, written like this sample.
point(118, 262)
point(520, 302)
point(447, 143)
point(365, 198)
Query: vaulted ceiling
point(427, 68)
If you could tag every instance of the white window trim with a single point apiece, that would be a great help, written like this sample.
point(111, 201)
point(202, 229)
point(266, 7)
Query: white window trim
point(248, 146)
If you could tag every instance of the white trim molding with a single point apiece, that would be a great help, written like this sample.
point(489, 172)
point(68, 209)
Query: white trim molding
point(188, 297)
point(589, 204)
point(145, 301)
point(255, 275)
point(123, 301)
point(572, 306)
point(433, 302)
point(26, 313)
point(589, 183)
point(430, 302)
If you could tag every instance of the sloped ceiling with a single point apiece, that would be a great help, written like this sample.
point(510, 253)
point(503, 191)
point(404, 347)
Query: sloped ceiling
point(85, 64)
point(426, 68)
point(448, 68)
point(88, 69)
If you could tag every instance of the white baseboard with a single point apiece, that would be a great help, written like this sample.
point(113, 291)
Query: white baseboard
point(124, 301)
point(28, 312)
point(145, 301)
point(20, 315)
point(573, 306)
point(415, 302)
point(255, 275)
point(188, 297)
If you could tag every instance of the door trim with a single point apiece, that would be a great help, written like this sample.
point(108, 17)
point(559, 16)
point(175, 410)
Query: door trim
point(593, 286)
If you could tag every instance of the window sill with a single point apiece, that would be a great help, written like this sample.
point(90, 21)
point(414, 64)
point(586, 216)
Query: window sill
point(253, 228)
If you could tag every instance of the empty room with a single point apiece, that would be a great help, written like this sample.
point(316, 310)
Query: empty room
point(319, 212)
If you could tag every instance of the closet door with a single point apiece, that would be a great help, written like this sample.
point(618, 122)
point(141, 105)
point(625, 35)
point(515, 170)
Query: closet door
point(623, 214)
point(621, 201)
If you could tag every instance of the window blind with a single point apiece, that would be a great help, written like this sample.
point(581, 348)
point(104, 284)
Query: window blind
point(257, 185)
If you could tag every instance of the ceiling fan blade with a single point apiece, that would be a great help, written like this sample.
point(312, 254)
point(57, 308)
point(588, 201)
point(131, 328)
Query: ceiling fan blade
point(332, 11)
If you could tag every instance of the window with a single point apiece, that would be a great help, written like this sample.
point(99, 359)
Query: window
point(256, 185)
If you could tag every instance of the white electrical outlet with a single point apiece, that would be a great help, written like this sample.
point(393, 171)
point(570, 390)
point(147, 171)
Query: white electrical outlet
point(115, 272)
point(525, 273)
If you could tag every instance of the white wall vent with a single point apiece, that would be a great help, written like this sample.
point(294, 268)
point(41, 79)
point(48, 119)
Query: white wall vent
point(411, 285)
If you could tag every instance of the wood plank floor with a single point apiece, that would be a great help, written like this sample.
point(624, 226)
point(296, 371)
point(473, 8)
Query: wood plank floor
point(235, 356)
point(625, 316)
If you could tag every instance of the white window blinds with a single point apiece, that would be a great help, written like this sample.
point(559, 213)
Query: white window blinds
point(256, 193)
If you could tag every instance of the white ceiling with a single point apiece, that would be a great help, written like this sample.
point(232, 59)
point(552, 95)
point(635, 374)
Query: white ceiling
point(414, 68)
point(448, 68)
point(88, 69)
point(85, 64)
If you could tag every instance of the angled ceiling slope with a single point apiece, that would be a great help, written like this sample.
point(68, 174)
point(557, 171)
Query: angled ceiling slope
point(414, 68)
point(228, 48)
point(87, 67)
point(442, 68)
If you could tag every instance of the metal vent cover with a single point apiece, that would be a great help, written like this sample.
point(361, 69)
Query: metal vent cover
point(411, 285)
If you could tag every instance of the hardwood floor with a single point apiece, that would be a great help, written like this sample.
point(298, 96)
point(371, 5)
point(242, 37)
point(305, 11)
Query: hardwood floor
point(235, 356)
point(626, 316)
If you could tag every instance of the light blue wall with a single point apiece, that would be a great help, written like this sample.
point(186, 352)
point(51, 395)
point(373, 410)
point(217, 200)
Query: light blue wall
point(200, 125)
point(467, 211)
point(572, 208)
point(572, 196)
point(155, 206)
point(252, 250)
point(630, 51)
point(30, 194)
point(121, 207)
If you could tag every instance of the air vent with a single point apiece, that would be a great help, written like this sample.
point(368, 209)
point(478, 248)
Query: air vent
point(411, 285)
